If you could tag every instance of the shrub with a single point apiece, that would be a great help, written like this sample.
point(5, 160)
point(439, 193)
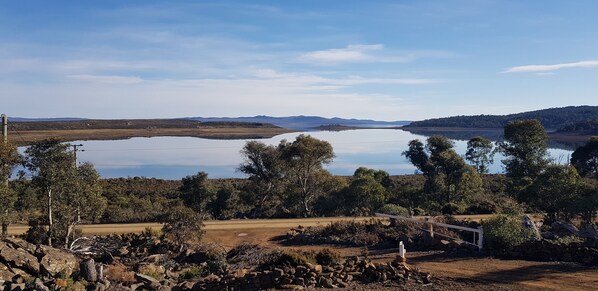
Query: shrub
point(212, 256)
point(503, 232)
point(191, 273)
point(182, 224)
point(328, 257)
point(247, 255)
point(292, 258)
point(453, 208)
point(394, 209)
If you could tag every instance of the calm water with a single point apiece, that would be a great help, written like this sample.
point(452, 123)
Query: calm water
point(176, 157)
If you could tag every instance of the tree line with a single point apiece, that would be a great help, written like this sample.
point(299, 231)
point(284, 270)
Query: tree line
point(552, 118)
point(289, 180)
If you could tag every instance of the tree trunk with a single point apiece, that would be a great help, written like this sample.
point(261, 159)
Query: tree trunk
point(88, 270)
point(50, 222)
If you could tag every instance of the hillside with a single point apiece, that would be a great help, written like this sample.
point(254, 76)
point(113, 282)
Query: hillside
point(304, 122)
point(552, 118)
point(586, 127)
point(85, 124)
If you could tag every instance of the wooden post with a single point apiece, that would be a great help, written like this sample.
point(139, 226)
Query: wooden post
point(480, 238)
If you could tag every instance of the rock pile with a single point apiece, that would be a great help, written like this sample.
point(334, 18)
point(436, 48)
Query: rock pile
point(22, 262)
point(24, 266)
point(312, 276)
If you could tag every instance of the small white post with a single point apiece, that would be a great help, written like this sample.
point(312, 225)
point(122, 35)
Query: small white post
point(402, 251)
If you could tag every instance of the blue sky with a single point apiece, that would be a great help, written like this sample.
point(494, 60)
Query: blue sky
point(385, 60)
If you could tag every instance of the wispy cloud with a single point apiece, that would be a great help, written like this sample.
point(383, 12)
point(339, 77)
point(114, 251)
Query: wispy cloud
point(107, 79)
point(351, 53)
point(547, 68)
point(356, 53)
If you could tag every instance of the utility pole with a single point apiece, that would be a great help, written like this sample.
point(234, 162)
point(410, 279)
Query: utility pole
point(5, 140)
point(75, 150)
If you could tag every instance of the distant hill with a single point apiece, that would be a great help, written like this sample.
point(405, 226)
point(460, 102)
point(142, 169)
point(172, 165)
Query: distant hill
point(552, 118)
point(21, 119)
point(87, 124)
point(585, 127)
point(304, 122)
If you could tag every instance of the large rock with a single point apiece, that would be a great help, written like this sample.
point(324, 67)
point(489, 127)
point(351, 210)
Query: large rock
point(16, 243)
point(55, 261)
point(19, 258)
point(5, 273)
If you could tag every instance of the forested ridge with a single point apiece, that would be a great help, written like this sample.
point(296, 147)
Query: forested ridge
point(551, 119)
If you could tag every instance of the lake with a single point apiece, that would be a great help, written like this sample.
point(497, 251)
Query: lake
point(176, 157)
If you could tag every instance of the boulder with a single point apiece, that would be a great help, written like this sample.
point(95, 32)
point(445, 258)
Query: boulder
point(55, 261)
point(147, 281)
point(5, 273)
point(19, 258)
point(16, 243)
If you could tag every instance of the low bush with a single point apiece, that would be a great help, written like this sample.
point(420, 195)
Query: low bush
point(280, 258)
point(247, 255)
point(192, 272)
point(328, 257)
point(394, 209)
point(504, 231)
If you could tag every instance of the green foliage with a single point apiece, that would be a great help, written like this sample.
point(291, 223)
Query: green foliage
point(280, 258)
point(182, 224)
point(192, 272)
point(453, 208)
point(505, 231)
point(70, 192)
point(585, 158)
point(197, 191)
point(525, 148)
point(394, 209)
point(304, 159)
point(365, 192)
point(554, 189)
point(480, 153)
point(587, 202)
point(262, 164)
point(448, 178)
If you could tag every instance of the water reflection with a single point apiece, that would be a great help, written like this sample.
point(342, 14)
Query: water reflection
point(176, 157)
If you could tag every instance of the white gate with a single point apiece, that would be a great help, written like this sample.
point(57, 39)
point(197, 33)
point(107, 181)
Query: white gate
point(478, 233)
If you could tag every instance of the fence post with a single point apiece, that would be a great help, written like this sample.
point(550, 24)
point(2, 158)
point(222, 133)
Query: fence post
point(480, 238)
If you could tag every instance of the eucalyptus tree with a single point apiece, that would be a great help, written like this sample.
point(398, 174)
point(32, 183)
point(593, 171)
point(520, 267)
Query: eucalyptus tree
point(526, 151)
point(263, 165)
point(9, 159)
point(69, 192)
point(480, 153)
point(448, 178)
point(306, 178)
point(585, 158)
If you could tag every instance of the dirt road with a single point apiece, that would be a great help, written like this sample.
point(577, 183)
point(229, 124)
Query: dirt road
point(236, 224)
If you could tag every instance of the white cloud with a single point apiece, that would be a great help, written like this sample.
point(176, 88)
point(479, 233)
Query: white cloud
point(351, 53)
point(546, 68)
